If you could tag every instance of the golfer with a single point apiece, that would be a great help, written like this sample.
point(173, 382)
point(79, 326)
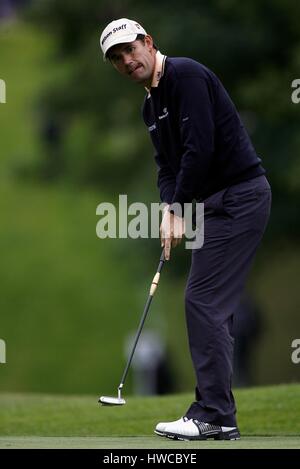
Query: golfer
point(203, 153)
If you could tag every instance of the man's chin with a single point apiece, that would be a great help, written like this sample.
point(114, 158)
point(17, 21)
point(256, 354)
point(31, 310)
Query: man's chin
point(139, 79)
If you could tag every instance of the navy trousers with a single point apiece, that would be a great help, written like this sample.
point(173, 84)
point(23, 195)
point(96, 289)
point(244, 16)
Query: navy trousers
point(234, 222)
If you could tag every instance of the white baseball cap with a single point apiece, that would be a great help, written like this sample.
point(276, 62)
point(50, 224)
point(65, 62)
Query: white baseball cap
point(119, 32)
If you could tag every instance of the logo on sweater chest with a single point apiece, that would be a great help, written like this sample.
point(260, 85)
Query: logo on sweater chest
point(164, 114)
point(161, 116)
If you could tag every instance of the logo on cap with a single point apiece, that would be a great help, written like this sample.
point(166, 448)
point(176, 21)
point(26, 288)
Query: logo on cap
point(106, 37)
point(115, 30)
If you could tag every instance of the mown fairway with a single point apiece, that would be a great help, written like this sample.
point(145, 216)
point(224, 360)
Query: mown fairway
point(268, 418)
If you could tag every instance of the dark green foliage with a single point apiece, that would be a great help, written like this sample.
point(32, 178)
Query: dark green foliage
point(253, 46)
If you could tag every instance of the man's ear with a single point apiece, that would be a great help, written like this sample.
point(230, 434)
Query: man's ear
point(148, 42)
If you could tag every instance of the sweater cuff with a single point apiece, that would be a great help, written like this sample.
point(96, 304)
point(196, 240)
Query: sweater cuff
point(178, 202)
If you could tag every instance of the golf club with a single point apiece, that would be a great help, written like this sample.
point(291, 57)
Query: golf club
point(106, 400)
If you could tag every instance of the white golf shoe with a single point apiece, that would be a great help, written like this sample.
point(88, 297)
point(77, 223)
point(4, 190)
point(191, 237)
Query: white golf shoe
point(162, 426)
point(192, 429)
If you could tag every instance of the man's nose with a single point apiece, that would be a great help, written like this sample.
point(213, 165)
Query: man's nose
point(127, 59)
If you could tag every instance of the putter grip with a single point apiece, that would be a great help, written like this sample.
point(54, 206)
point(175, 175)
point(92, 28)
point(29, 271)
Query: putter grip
point(154, 283)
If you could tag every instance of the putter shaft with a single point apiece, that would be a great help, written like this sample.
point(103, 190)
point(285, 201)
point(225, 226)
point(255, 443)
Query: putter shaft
point(153, 288)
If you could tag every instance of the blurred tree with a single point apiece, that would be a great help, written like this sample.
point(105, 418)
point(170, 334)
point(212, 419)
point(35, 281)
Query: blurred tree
point(253, 46)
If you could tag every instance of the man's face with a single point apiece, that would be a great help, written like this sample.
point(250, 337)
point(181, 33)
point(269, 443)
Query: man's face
point(135, 60)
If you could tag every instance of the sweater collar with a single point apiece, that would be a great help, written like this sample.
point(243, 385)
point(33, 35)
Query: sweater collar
point(159, 69)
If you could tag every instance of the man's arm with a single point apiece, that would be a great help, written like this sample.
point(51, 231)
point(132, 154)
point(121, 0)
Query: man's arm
point(195, 114)
point(166, 180)
point(194, 105)
point(172, 227)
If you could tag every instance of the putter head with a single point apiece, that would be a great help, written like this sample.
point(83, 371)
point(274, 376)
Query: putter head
point(105, 400)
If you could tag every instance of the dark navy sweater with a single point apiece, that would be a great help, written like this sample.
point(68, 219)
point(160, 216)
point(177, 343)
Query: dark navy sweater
point(201, 144)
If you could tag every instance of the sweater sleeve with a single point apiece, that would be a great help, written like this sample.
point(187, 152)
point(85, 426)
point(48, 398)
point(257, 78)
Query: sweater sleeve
point(166, 180)
point(195, 115)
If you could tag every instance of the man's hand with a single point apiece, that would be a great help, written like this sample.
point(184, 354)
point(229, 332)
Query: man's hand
point(172, 229)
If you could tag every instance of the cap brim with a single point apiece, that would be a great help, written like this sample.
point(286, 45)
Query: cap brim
point(123, 40)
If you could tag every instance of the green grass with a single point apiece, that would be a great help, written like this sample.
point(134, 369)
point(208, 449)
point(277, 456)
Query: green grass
point(268, 417)
point(151, 442)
